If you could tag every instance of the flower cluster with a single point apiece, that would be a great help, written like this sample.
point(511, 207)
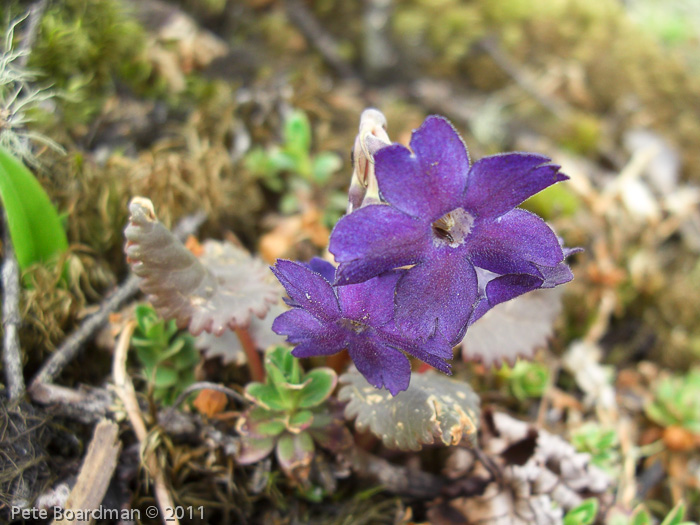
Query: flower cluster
point(439, 244)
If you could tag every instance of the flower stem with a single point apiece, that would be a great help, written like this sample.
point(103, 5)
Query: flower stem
point(257, 372)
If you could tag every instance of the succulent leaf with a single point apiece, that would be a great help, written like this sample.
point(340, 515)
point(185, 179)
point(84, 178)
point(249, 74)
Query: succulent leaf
point(220, 290)
point(318, 387)
point(267, 396)
point(434, 406)
point(253, 450)
point(295, 451)
point(300, 421)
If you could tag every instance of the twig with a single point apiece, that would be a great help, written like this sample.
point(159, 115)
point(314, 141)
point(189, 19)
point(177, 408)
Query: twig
point(96, 471)
point(12, 353)
point(74, 342)
point(399, 480)
point(255, 366)
point(306, 22)
point(86, 404)
point(210, 386)
point(125, 391)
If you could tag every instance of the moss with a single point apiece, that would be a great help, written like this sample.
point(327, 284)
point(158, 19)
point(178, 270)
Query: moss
point(83, 46)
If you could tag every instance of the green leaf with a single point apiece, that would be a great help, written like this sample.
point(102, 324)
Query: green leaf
point(324, 165)
point(584, 514)
point(188, 356)
point(267, 396)
point(675, 517)
point(165, 377)
point(281, 161)
point(37, 235)
point(295, 451)
point(641, 517)
point(300, 421)
point(253, 449)
point(148, 356)
point(297, 133)
point(271, 428)
point(289, 203)
point(319, 383)
point(433, 406)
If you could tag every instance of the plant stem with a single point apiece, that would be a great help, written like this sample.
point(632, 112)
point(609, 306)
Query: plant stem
point(257, 372)
point(12, 354)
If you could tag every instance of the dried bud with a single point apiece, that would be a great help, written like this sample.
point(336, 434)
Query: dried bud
point(371, 138)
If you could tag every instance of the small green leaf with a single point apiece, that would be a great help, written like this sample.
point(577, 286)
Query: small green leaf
point(148, 356)
point(584, 514)
point(170, 349)
point(188, 356)
point(271, 428)
point(32, 219)
point(295, 451)
point(165, 377)
point(254, 449)
point(433, 406)
point(297, 133)
point(641, 517)
point(675, 517)
point(324, 165)
point(300, 421)
point(267, 396)
point(281, 161)
point(320, 382)
point(289, 203)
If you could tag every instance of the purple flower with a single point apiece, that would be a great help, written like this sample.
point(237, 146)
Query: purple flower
point(456, 225)
point(360, 318)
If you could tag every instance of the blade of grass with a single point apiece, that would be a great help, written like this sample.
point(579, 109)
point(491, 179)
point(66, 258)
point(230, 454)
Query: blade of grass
point(36, 231)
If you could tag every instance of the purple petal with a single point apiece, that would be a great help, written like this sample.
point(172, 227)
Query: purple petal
point(439, 293)
point(382, 366)
point(318, 347)
point(375, 239)
point(299, 325)
point(311, 336)
point(308, 289)
point(554, 276)
point(434, 352)
point(323, 268)
point(507, 287)
point(497, 184)
point(428, 183)
point(370, 302)
point(514, 243)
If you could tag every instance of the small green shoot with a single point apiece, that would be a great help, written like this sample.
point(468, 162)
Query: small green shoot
point(584, 514)
point(291, 414)
point(602, 444)
point(167, 355)
point(294, 157)
point(677, 402)
point(528, 380)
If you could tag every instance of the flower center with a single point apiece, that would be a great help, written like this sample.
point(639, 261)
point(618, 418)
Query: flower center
point(453, 227)
point(355, 326)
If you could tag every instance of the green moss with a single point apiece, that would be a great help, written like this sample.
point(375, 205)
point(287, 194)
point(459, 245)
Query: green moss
point(82, 46)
